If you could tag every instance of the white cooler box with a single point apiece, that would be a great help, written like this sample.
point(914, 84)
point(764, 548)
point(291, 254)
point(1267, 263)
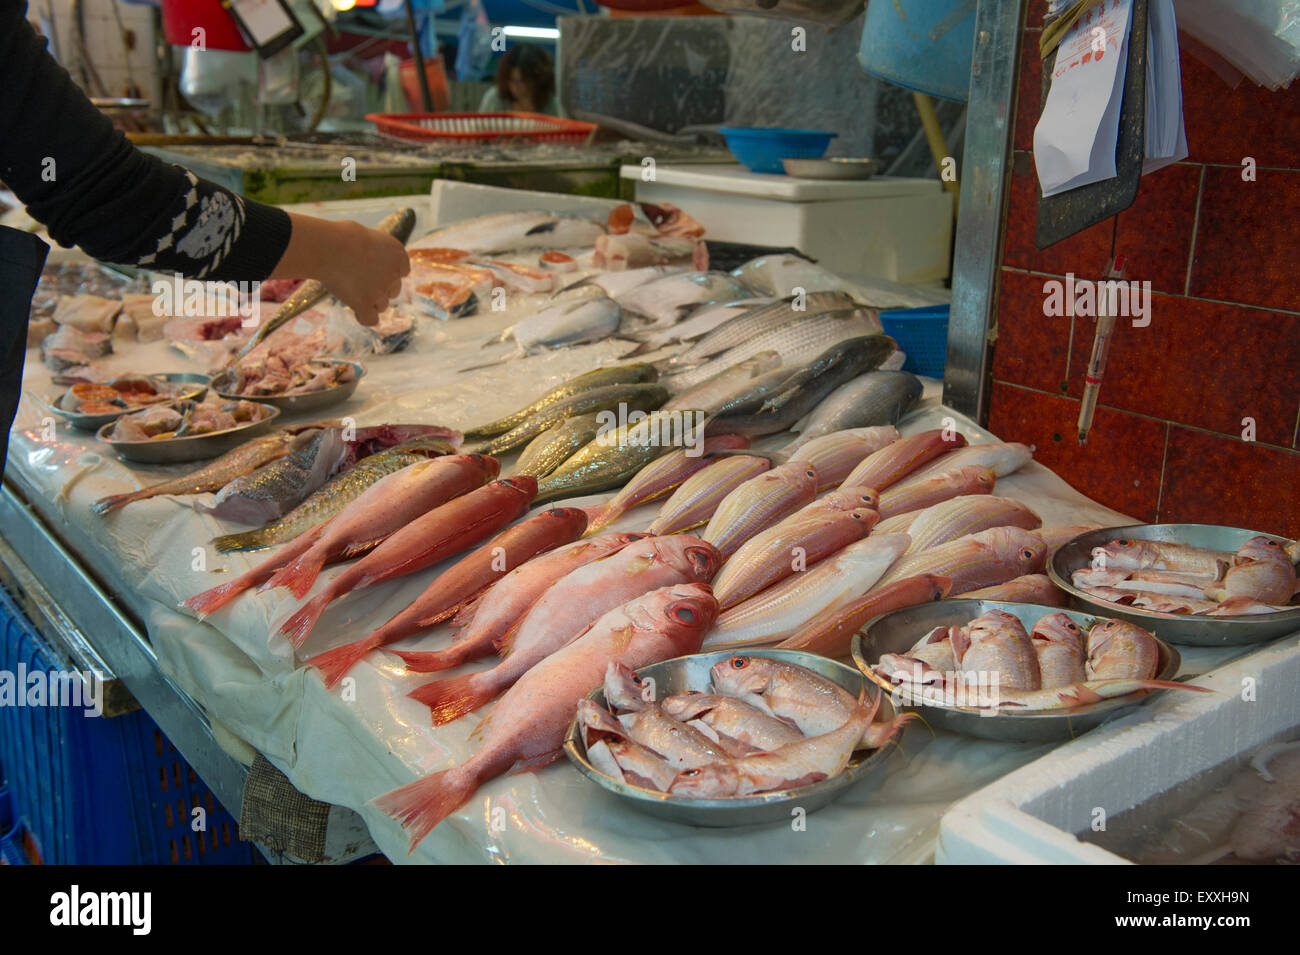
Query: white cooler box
point(884, 227)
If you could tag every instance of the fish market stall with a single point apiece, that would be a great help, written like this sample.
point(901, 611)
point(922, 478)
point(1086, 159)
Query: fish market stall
point(232, 686)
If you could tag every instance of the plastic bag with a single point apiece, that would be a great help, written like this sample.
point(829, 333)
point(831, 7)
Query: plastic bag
point(1259, 37)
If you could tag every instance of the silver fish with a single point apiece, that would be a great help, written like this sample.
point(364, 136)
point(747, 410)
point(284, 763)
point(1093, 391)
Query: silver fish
point(615, 284)
point(797, 343)
point(663, 299)
point(759, 320)
point(876, 398)
point(274, 489)
point(709, 396)
point(514, 232)
point(704, 320)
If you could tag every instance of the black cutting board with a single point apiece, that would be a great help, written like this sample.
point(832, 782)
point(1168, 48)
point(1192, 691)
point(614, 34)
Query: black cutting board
point(1068, 213)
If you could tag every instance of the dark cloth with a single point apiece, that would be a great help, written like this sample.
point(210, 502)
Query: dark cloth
point(21, 257)
point(84, 180)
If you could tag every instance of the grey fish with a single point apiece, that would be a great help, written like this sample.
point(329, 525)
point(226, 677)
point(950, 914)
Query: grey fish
point(701, 321)
point(278, 487)
point(615, 284)
point(643, 397)
point(876, 398)
point(514, 232)
point(768, 383)
point(614, 458)
point(708, 396)
point(556, 444)
point(760, 320)
point(398, 225)
point(337, 494)
point(599, 378)
point(663, 299)
point(805, 389)
point(799, 341)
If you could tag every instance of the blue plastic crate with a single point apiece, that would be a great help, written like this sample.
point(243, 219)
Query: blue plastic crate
point(101, 791)
point(923, 334)
point(761, 149)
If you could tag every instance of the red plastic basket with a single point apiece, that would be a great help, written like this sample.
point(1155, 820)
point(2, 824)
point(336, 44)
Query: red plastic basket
point(481, 127)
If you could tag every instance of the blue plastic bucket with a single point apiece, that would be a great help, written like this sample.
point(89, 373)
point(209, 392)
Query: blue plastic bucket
point(923, 45)
point(923, 334)
point(761, 149)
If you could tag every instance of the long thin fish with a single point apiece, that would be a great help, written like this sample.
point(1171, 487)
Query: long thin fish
point(835, 455)
point(950, 484)
point(1002, 458)
point(831, 631)
point(709, 396)
point(759, 503)
point(695, 500)
point(759, 321)
point(599, 378)
point(876, 398)
point(644, 397)
point(399, 225)
point(968, 514)
point(276, 488)
point(556, 444)
point(337, 494)
point(894, 462)
point(242, 460)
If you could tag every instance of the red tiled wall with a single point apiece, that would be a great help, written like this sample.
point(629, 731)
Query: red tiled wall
point(1223, 257)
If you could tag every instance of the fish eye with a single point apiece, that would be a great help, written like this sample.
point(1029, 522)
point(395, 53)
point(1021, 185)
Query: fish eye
point(1027, 554)
point(810, 473)
point(1123, 543)
point(636, 679)
point(685, 615)
point(739, 663)
point(1073, 627)
point(690, 772)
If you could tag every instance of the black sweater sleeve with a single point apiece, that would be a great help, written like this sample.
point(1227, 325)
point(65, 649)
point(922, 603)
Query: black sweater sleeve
point(84, 180)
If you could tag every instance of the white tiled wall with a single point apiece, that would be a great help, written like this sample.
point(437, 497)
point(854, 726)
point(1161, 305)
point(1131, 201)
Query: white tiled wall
point(105, 47)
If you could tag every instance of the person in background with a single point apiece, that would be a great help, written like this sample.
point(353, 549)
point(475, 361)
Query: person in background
point(525, 83)
point(91, 187)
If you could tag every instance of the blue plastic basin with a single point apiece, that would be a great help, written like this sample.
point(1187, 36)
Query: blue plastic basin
point(762, 149)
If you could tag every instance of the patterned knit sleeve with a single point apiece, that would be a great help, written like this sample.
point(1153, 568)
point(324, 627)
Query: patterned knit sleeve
point(84, 180)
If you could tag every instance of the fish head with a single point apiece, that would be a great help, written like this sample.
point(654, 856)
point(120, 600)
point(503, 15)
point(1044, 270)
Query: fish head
point(1262, 548)
point(489, 464)
point(800, 475)
point(866, 517)
point(597, 723)
point(937, 585)
point(983, 478)
point(625, 690)
point(689, 705)
point(1059, 628)
point(525, 484)
point(707, 782)
point(1021, 550)
point(691, 609)
point(992, 623)
point(572, 519)
point(697, 559)
point(1125, 552)
point(742, 675)
point(854, 497)
point(1113, 643)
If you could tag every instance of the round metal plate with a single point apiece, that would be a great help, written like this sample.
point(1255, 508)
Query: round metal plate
point(899, 630)
point(193, 448)
point(692, 673)
point(1182, 628)
point(835, 168)
point(300, 404)
point(93, 422)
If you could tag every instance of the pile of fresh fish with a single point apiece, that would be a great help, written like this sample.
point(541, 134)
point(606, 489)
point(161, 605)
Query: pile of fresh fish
point(762, 725)
point(1168, 577)
point(994, 663)
point(526, 727)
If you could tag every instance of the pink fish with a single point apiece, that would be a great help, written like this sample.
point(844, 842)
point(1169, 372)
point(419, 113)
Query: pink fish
point(695, 500)
point(1058, 642)
point(960, 516)
point(845, 499)
point(566, 608)
point(995, 643)
point(894, 462)
point(780, 551)
point(830, 632)
point(835, 455)
point(759, 503)
point(659, 478)
point(1119, 650)
point(943, 487)
point(385, 507)
point(1029, 589)
point(490, 616)
point(526, 728)
point(989, 557)
point(1141, 554)
point(438, 534)
point(468, 576)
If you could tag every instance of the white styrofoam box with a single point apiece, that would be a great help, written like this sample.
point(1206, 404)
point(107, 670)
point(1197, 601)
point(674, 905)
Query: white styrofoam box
point(885, 227)
point(456, 201)
point(1030, 816)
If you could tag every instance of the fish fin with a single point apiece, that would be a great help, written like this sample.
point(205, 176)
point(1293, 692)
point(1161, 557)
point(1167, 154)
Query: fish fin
point(357, 548)
point(299, 574)
point(300, 623)
point(500, 361)
point(245, 541)
point(452, 697)
point(431, 661)
point(472, 600)
point(467, 609)
point(335, 664)
point(536, 763)
point(504, 642)
point(421, 805)
point(642, 348)
point(775, 458)
point(111, 503)
point(213, 599)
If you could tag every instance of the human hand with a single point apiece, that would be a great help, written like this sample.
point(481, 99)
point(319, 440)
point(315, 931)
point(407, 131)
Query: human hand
point(362, 267)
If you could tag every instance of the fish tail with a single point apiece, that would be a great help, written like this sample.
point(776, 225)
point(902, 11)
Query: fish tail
point(879, 734)
point(215, 598)
point(453, 697)
point(301, 622)
point(335, 664)
point(421, 805)
point(299, 574)
point(431, 661)
point(598, 516)
point(111, 503)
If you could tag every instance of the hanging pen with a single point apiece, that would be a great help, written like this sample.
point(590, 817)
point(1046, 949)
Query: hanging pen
point(1100, 348)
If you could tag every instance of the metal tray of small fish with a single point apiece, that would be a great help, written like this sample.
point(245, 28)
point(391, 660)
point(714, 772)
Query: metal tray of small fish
point(93, 422)
point(1188, 629)
point(899, 631)
point(197, 447)
point(692, 673)
point(302, 403)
